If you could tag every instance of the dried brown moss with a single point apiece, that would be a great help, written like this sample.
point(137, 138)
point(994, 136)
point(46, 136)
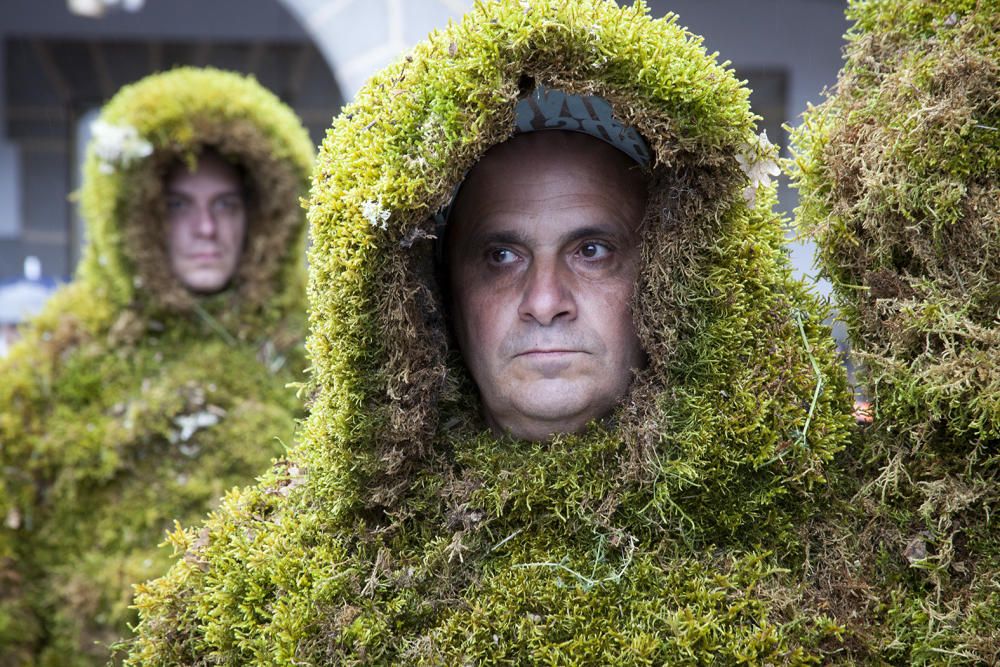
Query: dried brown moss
point(897, 174)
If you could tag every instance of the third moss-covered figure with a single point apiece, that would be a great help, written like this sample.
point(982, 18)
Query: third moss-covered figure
point(402, 528)
point(157, 379)
point(898, 175)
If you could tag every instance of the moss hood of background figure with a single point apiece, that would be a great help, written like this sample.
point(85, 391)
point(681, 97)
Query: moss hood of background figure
point(897, 173)
point(400, 529)
point(130, 402)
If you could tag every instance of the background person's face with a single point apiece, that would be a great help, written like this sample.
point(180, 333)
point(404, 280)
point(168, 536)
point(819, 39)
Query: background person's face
point(205, 225)
point(543, 255)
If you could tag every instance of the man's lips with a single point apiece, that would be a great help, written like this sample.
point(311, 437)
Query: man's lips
point(547, 353)
point(548, 363)
point(205, 256)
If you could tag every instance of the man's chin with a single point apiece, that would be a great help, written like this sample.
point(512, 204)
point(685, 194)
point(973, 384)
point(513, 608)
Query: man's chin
point(205, 282)
point(554, 401)
point(541, 427)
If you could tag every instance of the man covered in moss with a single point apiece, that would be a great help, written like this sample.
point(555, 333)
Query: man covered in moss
point(897, 172)
point(570, 415)
point(158, 379)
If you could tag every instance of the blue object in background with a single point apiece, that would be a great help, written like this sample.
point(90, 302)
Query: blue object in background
point(22, 298)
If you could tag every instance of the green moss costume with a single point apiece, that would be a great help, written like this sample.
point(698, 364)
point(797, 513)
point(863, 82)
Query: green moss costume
point(130, 402)
point(898, 178)
point(400, 529)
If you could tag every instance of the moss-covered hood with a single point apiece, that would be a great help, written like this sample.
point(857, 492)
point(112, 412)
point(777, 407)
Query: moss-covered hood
point(176, 114)
point(726, 404)
point(408, 531)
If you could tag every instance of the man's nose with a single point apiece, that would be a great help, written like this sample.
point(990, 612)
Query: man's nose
point(548, 294)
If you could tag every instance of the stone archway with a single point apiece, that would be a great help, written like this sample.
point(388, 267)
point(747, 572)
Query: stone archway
point(359, 37)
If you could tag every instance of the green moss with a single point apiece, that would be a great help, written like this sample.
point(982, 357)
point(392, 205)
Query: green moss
point(707, 613)
point(400, 529)
point(897, 175)
point(124, 409)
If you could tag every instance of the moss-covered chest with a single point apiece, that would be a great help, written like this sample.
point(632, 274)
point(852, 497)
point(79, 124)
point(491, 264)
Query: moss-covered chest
point(107, 442)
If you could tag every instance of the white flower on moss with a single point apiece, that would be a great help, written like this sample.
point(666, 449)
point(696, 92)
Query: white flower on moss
point(117, 145)
point(416, 162)
point(758, 160)
point(432, 134)
point(189, 424)
point(375, 214)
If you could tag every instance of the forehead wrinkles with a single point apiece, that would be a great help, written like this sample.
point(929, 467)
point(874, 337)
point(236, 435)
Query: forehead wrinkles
point(547, 157)
point(562, 218)
point(565, 169)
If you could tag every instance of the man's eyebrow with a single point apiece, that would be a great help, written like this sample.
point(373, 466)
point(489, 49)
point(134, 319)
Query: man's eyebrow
point(517, 237)
point(503, 237)
point(592, 230)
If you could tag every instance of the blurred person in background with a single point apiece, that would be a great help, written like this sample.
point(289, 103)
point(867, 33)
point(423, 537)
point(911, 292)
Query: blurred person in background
point(158, 378)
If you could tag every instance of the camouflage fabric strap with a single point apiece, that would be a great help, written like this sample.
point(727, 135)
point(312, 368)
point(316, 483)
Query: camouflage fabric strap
point(551, 109)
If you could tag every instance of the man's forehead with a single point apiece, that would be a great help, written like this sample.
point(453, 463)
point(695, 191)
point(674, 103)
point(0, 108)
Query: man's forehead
point(564, 151)
point(522, 182)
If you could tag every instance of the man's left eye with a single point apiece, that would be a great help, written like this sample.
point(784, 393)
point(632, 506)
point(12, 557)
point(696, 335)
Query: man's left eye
point(594, 250)
point(502, 256)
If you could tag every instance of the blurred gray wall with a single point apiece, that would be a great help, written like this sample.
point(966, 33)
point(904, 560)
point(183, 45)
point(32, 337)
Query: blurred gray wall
point(55, 66)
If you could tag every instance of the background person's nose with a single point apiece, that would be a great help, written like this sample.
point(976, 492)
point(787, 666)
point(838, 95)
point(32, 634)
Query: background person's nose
point(547, 294)
point(206, 225)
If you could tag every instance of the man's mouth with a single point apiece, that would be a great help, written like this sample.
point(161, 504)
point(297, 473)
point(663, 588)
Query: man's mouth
point(549, 363)
point(547, 357)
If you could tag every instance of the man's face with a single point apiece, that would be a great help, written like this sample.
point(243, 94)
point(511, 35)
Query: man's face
point(542, 257)
point(206, 224)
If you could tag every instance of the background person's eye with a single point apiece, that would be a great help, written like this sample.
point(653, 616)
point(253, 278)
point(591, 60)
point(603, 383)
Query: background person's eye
point(176, 205)
point(230, 205)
